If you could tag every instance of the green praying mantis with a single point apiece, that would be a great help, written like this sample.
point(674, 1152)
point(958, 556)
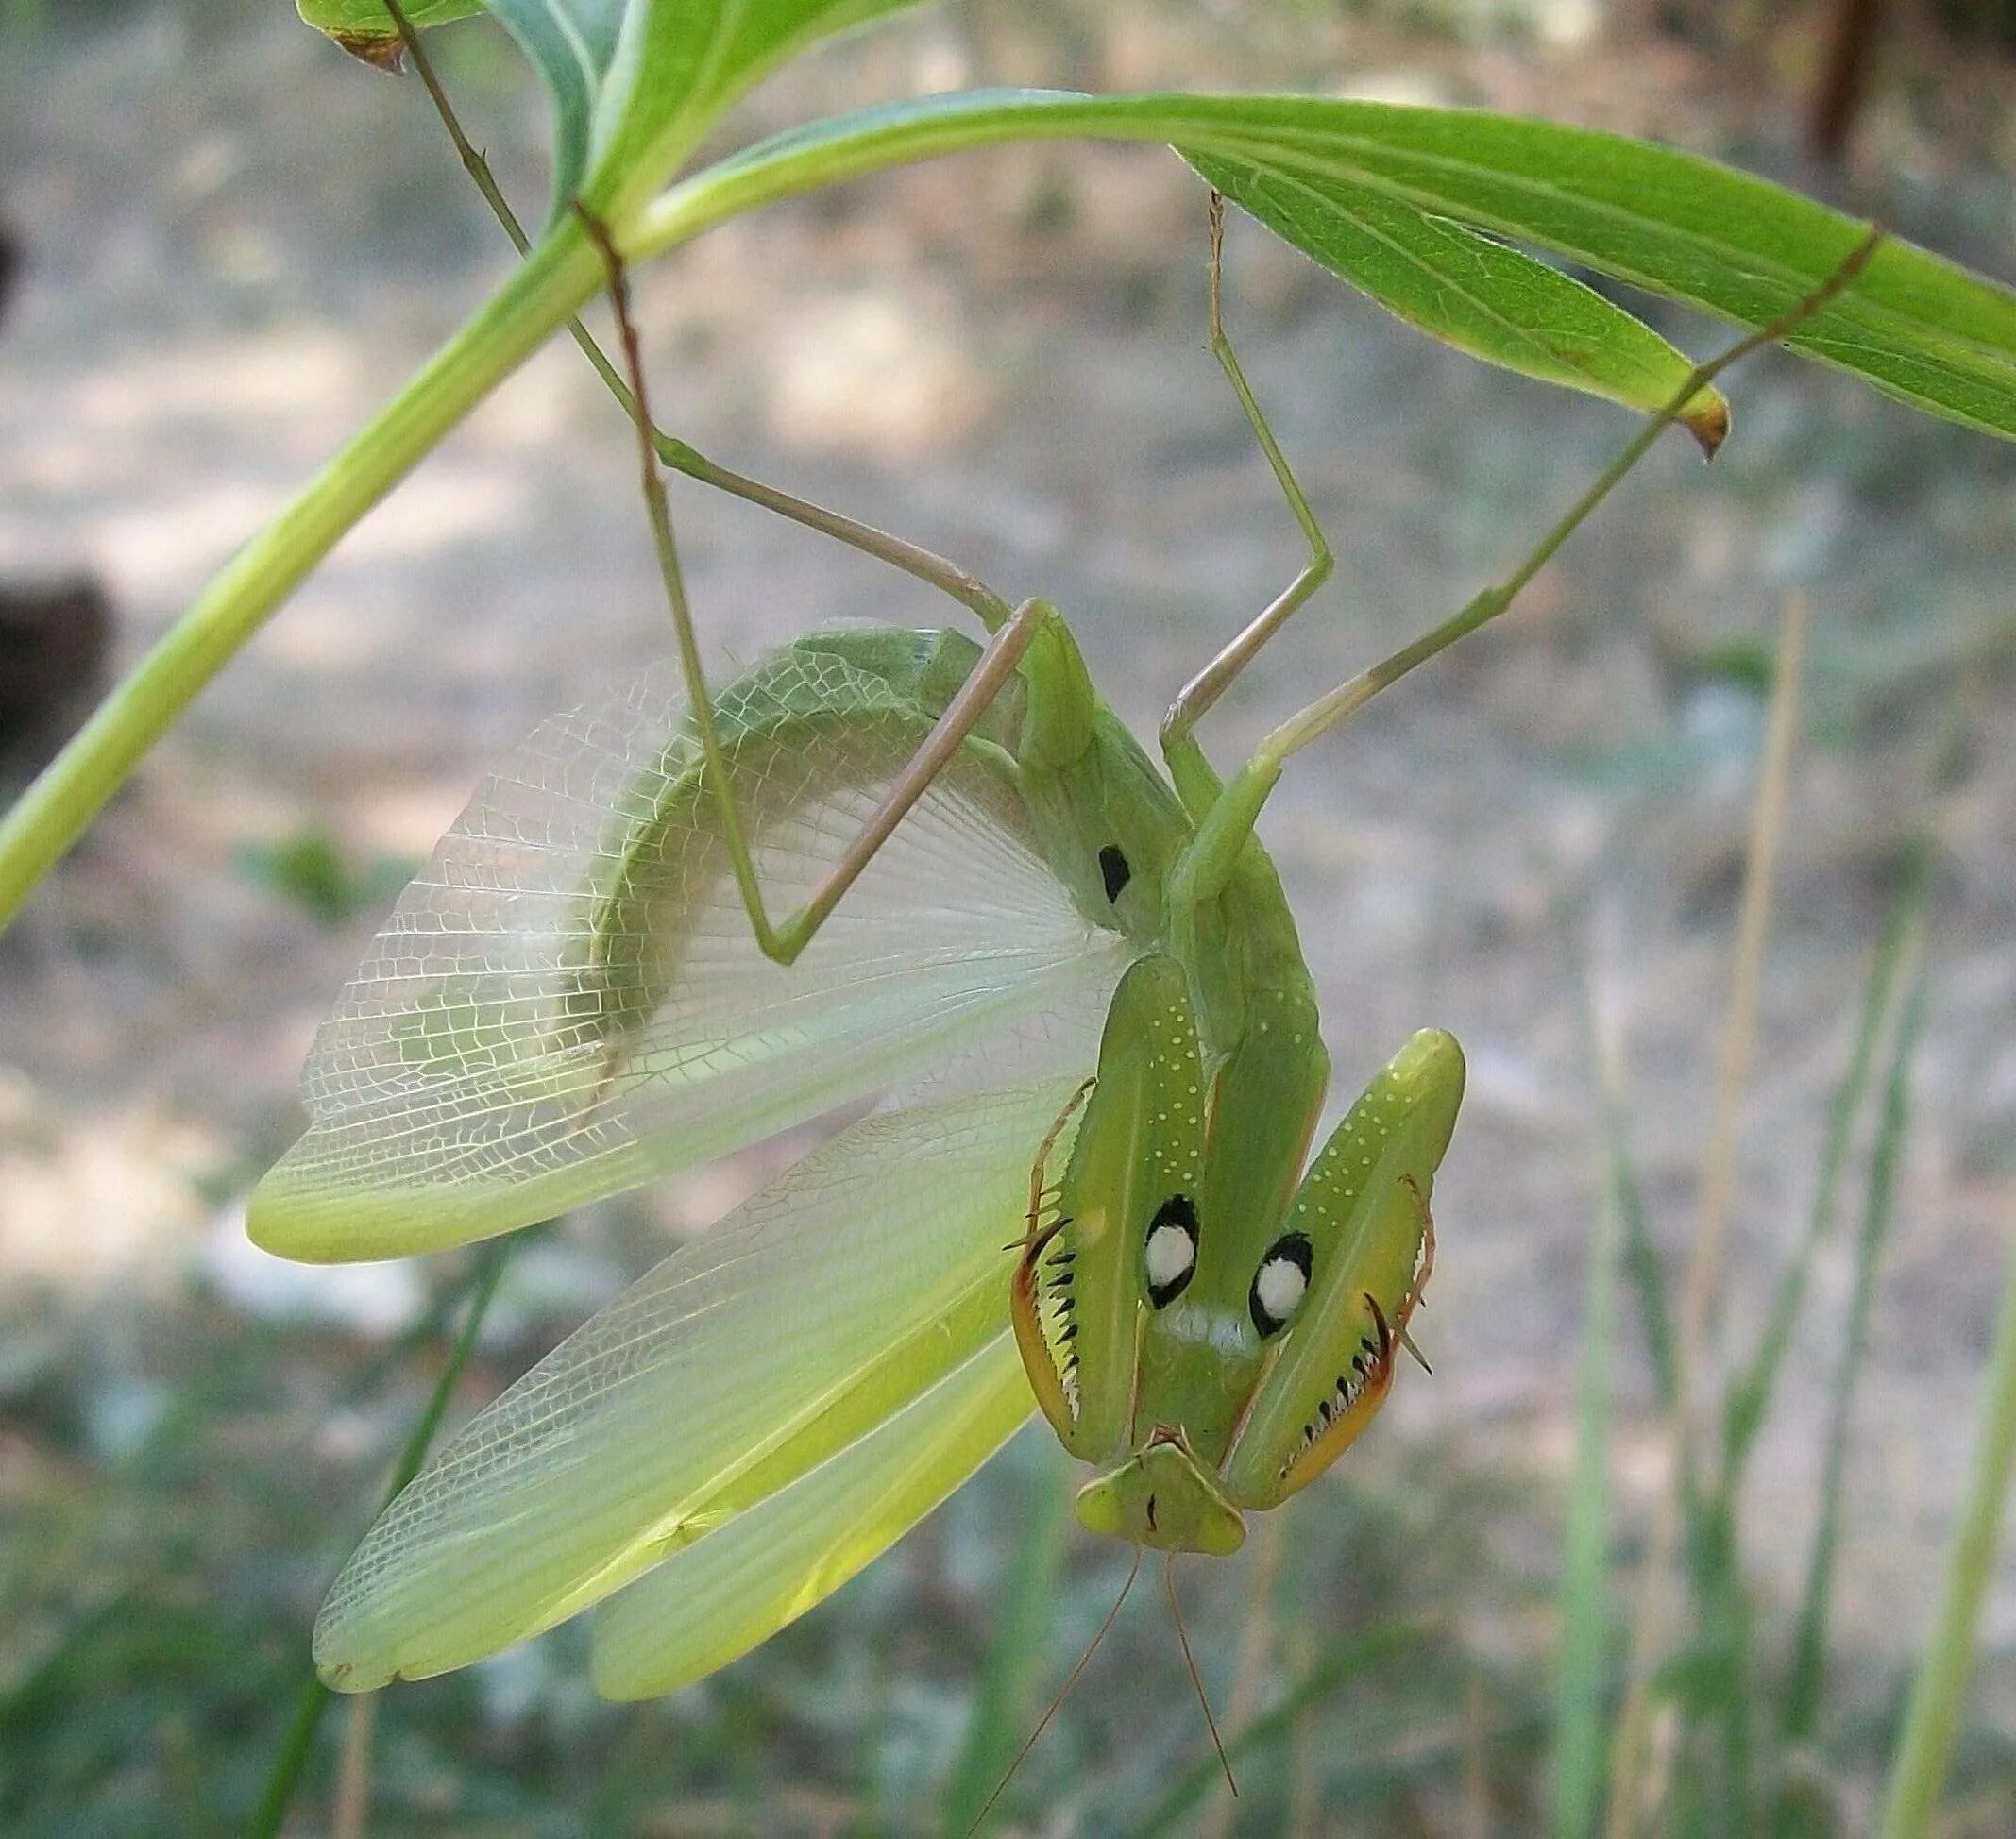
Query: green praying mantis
point(1093, 1190)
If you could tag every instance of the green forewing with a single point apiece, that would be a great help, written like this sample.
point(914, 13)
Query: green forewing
point(714, 1600)
point(567, 1001)
point(751, 1372)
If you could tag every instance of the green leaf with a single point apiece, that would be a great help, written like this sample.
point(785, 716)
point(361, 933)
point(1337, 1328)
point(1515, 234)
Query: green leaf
point(1932, 1720)
point(634, 84)
point(364, 28)
point(1470, 291)
point(679, 67)
point(571, 45)
point(1918, 327)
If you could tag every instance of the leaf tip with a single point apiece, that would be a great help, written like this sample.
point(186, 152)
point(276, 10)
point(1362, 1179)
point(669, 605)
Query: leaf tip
point(381, 50)
point(1707, 420)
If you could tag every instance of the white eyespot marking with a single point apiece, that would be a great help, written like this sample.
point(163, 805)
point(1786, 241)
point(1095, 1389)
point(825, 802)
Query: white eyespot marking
point(1170, 1255)
point(1279, 1283)
point(1280, 1287)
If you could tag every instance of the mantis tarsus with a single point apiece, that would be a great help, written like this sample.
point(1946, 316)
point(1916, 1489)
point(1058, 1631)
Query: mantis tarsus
point(976, 860)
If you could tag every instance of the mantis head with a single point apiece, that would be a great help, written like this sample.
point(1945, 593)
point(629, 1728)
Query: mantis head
point(1162, 1497)
point(1204, 1320)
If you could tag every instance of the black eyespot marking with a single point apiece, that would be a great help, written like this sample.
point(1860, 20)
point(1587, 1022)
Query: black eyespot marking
point(1113, 868)
point(1279, 1284)
point(1169, 1253)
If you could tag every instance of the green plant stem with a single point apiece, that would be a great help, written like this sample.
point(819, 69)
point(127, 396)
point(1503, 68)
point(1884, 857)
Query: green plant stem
point(1932, 1719)
point(559, 275)
point(562, 273)
point(284, 1778)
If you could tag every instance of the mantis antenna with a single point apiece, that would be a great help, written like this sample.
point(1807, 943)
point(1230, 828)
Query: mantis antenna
point(1063, 1692)
point(1196, 1679)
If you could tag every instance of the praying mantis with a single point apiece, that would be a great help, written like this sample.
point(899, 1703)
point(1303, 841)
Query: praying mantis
point(1092, 1192)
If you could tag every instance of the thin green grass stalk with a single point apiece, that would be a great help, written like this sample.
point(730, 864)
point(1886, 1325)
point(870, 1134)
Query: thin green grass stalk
point(1369, 1651)
point(289, 1761)
point(1635, 1759)
point(1799, 1708)
point(1585, 1617)
point(1001, 1712)
point(1256, 1648)
point(1641, 1258)
point(1932, 1720)
point(1750, 1397)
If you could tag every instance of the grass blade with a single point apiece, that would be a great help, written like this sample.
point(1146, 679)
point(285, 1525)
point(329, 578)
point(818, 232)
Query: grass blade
point(1801, 1708)
point(1933, 1716)
point(1579, 1696)
point(1640, 1259)
point(1749, 1396)
point(1001, 1709)
point(284, 1778)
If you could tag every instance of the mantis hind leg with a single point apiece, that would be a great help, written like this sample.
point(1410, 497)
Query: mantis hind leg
point(1224, 827)
point(681, 456)
point(783, 940)
point(1010, 633)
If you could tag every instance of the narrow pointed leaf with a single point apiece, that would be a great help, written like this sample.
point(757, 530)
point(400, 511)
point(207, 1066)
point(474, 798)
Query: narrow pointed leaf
point(778, 1341)
point(364, 28)
point(1916, 327)
point(1477, 294)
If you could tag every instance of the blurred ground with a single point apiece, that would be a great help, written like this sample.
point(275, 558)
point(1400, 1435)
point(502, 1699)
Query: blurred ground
point(239, 243)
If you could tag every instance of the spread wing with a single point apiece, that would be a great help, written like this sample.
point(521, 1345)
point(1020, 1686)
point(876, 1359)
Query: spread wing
point(567, 1000)
point(764, 1412)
